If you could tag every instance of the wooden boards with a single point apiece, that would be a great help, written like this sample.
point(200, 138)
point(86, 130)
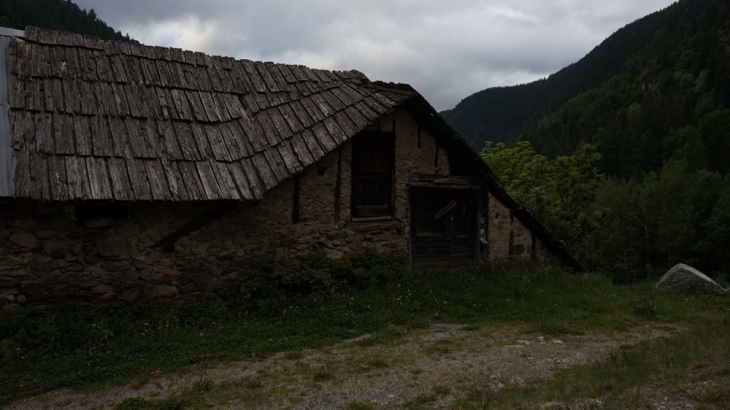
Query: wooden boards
point(104, 120)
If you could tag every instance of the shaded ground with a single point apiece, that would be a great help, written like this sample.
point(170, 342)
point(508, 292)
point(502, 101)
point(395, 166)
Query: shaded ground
point(424, 367)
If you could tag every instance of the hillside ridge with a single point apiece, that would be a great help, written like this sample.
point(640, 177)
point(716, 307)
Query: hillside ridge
point(499, 114)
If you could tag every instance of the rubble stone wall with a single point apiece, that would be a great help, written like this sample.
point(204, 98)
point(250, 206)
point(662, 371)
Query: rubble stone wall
point(499, 228)
point(509, 238)
point(521, 241)
point(46, 255)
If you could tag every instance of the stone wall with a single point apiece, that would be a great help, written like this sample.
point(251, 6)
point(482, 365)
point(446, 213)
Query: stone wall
point(521, 241)
point(46, 255)
point(499, 229)
point(509, 238)
point(417, 160)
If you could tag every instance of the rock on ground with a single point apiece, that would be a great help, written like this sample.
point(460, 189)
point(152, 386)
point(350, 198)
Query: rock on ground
point(683, 276)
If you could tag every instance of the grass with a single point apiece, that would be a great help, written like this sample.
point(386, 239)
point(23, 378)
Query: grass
point(699, 355)
point(318, 303)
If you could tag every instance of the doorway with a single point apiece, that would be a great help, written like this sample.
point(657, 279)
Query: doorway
point(444, 227)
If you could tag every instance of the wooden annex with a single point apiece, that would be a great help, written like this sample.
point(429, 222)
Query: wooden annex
point(131, 170)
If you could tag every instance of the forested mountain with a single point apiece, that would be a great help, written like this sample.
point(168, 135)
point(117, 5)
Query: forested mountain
point(499, 114)
point(672, 100)
point(634, 175)
point(57, 15)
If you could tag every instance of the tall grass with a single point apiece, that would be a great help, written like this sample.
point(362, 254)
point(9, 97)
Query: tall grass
point(311, 303)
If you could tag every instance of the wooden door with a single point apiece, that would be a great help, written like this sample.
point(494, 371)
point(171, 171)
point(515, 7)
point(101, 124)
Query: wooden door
point(444, 227)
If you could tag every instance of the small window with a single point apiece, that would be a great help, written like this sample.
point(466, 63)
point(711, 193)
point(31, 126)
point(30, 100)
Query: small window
point(373, 158)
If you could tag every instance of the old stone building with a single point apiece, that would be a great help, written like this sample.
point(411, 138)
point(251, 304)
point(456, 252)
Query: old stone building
point(131, 171)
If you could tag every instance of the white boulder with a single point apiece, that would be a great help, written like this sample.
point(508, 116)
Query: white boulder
point(683, 276)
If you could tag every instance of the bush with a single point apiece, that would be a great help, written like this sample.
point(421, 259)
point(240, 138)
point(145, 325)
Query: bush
point(280, 284)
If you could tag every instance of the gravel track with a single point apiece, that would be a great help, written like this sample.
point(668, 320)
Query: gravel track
point(425, 366)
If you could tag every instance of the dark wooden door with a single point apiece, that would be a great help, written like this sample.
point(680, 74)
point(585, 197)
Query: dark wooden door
point(443, 227)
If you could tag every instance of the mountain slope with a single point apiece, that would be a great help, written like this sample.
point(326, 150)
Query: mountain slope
point(56, 15)
point(498, 114)
point(672, 100)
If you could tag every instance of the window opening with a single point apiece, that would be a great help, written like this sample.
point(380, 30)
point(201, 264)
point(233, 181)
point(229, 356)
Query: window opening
point(373, 159)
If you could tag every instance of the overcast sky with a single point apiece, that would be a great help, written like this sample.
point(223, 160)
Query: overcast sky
point(447, 50)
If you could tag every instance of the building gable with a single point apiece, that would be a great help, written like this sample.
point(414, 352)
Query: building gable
point(180, 168)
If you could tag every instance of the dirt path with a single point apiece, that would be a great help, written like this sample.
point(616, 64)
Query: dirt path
point(429, 367)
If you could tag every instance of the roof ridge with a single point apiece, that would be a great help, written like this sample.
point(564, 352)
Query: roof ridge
point(197, 58)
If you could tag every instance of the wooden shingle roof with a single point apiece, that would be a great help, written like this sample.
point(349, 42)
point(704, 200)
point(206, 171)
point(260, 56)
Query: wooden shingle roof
point(106, 120)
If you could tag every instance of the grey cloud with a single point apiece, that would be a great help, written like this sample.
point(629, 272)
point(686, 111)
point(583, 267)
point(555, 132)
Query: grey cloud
point(446, 50)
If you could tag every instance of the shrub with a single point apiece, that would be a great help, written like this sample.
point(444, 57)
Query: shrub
point(277, 285)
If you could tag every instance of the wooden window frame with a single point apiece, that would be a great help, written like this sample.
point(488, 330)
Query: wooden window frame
point(362, 143)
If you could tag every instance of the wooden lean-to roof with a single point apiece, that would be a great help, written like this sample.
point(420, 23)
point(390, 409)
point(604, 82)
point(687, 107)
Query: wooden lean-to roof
point(106, 120)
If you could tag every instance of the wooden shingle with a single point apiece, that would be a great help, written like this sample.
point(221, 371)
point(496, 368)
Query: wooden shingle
point(291, 160)
point(175, 181)
point(254, 76)
point(139, 179)
point(77, 177)
point(103, 120)
point(201, 138)
point(120, 138)
point(255, 181)
point(239, 177)
point(189, 174)
point(276, 164)
point(58, 183)
point(264, 171)
point(208, 181)
point(158, 181)
point(188, 146)
point(63, 134)
point(301, 150)
point(137, 138)
point(99, 181)
point(226, 185)
point(82, 135)
point(170, 142)
point(40, 183)
point(21, 174)
point(44, 132)
point(315, 145)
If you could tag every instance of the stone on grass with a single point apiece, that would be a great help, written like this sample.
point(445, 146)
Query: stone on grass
point(683, 276)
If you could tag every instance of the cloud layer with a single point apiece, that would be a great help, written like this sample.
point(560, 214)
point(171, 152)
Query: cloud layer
point(446, 50)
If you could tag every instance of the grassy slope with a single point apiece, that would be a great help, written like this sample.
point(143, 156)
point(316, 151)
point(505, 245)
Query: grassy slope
point(96, 345)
